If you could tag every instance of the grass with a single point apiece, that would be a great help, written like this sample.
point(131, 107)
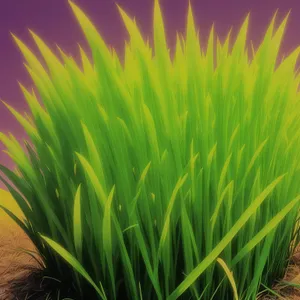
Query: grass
point(161, 177)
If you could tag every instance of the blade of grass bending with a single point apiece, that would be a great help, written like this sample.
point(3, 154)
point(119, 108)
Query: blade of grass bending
point(107, 238)
point(77, 225)
point(240, 43)
point(165, 229)
point(162, 56)
point(291, 284)
point(29, 128)
point(68, 257)
point(22, 203)
point(260, 265)
point(17, 220)
point(94, 179)
point(225, 241)
point(189, 244)
point(56, 68)
point(273, 292)
point(219, 203)
point(126, 261)
point(265, 231)
point(102, 198)
point(140, 184)
point(161, 48)
point(229, 276)
point(130, 227)
point(30, 57)
point(17, 181)
point(251, 164)
point(103, 57)
point(34, 255)
point(91, 34)
point(94, 154)
point(223, 175)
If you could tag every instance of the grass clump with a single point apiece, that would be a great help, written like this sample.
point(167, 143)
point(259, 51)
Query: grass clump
point(161, 178)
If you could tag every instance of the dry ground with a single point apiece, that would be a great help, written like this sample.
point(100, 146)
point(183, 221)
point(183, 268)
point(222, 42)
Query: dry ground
point(292, 275)
point(12, 260)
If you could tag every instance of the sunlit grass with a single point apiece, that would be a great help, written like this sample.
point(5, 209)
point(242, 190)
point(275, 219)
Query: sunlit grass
point(162, 177)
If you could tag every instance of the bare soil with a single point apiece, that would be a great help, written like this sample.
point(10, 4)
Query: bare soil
point(13, 262)
point(293, 276)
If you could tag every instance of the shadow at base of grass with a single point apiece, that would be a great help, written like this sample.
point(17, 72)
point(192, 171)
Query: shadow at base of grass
point(33, 284)
point(289, 287)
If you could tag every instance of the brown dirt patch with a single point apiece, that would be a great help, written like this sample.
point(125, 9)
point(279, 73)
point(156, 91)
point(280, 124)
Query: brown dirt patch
point(12, 261)
point(293, 276)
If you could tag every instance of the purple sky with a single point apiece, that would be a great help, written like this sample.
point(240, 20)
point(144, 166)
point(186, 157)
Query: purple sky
point(55, 23)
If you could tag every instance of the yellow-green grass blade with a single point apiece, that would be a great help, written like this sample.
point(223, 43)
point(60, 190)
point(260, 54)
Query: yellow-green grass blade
point(254, 284)
point(230, 277)
point(161, 48)
point(42, 80)
point(219, 203)
point(271, 225)
point(162, 57)
point(73, 262)
point(88, 67)
point(22, 203)
point(151, 131)
point(32, 101)
point(91, 34)
point(107, 237)
point(94, 154)
point(30, 58)
point(166, 225)
point(56, 68)
point(30, 129)
point(17, 220)
point(192, 51)
point(105, 58)
point(240, 43)
point(77, 222)
point(189, 244)
point(94, 179)
point(137, 41)
point(225, 241)
point(143, 54)
point(139, 187)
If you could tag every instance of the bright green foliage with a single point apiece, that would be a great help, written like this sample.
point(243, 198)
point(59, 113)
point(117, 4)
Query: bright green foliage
point(164, 177)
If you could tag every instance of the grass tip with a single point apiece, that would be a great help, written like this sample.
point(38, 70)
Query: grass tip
point(120, 9)
point(71, 3)
point(3, 102)
point(80, 47)
point(31, 32)
point(15, 38)
point(12, 34)
point(34, 35)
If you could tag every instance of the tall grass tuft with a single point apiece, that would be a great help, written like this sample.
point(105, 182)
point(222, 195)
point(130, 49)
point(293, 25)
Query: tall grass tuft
point(161, 177)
